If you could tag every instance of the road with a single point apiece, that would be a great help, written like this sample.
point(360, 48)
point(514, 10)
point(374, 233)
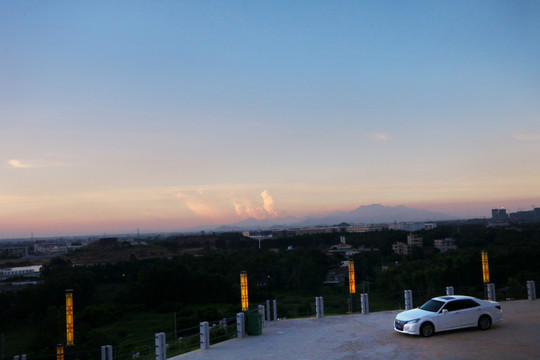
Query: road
point(371, 336)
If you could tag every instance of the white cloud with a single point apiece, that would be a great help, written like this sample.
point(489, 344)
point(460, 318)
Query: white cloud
point(19, 164)
point(35, 163)
point(218, 201)
point(246, 208)
point(268, 203)
point(379, 137)
point(201, 203)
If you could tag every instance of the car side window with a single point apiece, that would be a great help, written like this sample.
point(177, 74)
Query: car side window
point(467, 304)
point(451, 306)
point(460, 305)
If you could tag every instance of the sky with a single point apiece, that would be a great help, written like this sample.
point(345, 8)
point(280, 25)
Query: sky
point(167, 115)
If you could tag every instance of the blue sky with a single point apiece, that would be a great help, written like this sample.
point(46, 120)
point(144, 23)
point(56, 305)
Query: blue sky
point(163, 115)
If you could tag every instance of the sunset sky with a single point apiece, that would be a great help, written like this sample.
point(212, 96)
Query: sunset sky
point(165, 115)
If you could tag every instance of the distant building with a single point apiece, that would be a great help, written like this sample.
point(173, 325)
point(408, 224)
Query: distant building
point(405, 249)
point(258, 234)
point(15, 251)
point(525, 216)
point(430, 226)
point(412, 226)
point(343, 248)
point(415, 240)
point(445, 244)
point(401, 248)
point(24, 271)
point(366, 228)
point(499, 214)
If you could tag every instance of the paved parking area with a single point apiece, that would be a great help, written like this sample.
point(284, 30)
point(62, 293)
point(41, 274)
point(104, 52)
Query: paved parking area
point(371, 336)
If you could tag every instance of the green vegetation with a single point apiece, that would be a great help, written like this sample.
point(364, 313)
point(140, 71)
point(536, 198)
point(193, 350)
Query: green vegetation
point(122, 302)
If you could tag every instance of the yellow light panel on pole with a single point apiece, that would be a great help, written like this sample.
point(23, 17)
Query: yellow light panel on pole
point(485, 267)
point(69, 318)
point(60, 352)
point(244, 291)
point(352, 283)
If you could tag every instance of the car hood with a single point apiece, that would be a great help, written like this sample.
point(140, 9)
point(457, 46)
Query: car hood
point(413, 314)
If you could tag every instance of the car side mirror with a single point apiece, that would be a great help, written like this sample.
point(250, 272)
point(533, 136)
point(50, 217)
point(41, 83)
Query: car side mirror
point(444, 311)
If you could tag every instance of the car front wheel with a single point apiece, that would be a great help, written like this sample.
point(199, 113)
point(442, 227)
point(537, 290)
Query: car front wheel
point(427, 329)
point(484, 322)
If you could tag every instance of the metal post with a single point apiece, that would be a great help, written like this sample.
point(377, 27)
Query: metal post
point(204, 332)
point(240, 325)
point(268, 313)
point(161, 346)
point(449, 290)
point(531, 290)
point(321, 304)
point(275, 309)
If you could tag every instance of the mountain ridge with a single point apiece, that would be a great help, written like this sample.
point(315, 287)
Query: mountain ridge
point(364, 214)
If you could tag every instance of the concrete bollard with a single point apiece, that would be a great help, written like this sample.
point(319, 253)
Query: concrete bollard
point(274, 303)
point(449, 290)
point(107, 352)
point(204, 333)
point(260, 309)
point(408, 299)
point(319, 307)
point(531, 290)
point(491, 292)
point(364, 300)
point(240, 325)
point(161, 346)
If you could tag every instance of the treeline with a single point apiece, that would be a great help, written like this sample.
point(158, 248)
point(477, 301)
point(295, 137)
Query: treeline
point(107, 293)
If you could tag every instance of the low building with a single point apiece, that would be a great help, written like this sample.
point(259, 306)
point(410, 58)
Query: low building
point(401, 248)
point(366, 228)
point(21, 271)
point(415, 240)
point(445, 244)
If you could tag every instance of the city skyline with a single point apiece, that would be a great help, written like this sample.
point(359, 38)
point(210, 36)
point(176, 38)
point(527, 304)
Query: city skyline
point(169, 116)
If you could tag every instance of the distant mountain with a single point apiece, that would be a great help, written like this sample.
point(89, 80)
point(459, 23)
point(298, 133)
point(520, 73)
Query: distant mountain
point(376, 213)
point(368, 214)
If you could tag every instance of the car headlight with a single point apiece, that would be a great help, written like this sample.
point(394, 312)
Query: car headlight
point(414, 321)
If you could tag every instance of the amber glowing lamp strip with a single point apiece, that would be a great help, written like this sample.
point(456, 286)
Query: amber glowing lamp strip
point(60, 352)
point(485, 266)
point(69, 318)
point(352, 283)
point(244, 291)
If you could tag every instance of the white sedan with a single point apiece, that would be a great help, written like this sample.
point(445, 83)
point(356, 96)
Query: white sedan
point(448, 313)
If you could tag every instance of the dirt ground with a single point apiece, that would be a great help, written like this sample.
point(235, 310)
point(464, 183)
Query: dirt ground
point(372, 336)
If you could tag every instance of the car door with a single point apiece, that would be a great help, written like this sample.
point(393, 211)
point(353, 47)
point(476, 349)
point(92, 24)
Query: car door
point(469, 312)
point(449, 316)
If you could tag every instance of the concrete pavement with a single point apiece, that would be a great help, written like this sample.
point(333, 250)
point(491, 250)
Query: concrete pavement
point(372, 336)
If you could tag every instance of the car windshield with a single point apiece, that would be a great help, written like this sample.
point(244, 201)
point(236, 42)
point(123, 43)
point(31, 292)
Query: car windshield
point(432, 305)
